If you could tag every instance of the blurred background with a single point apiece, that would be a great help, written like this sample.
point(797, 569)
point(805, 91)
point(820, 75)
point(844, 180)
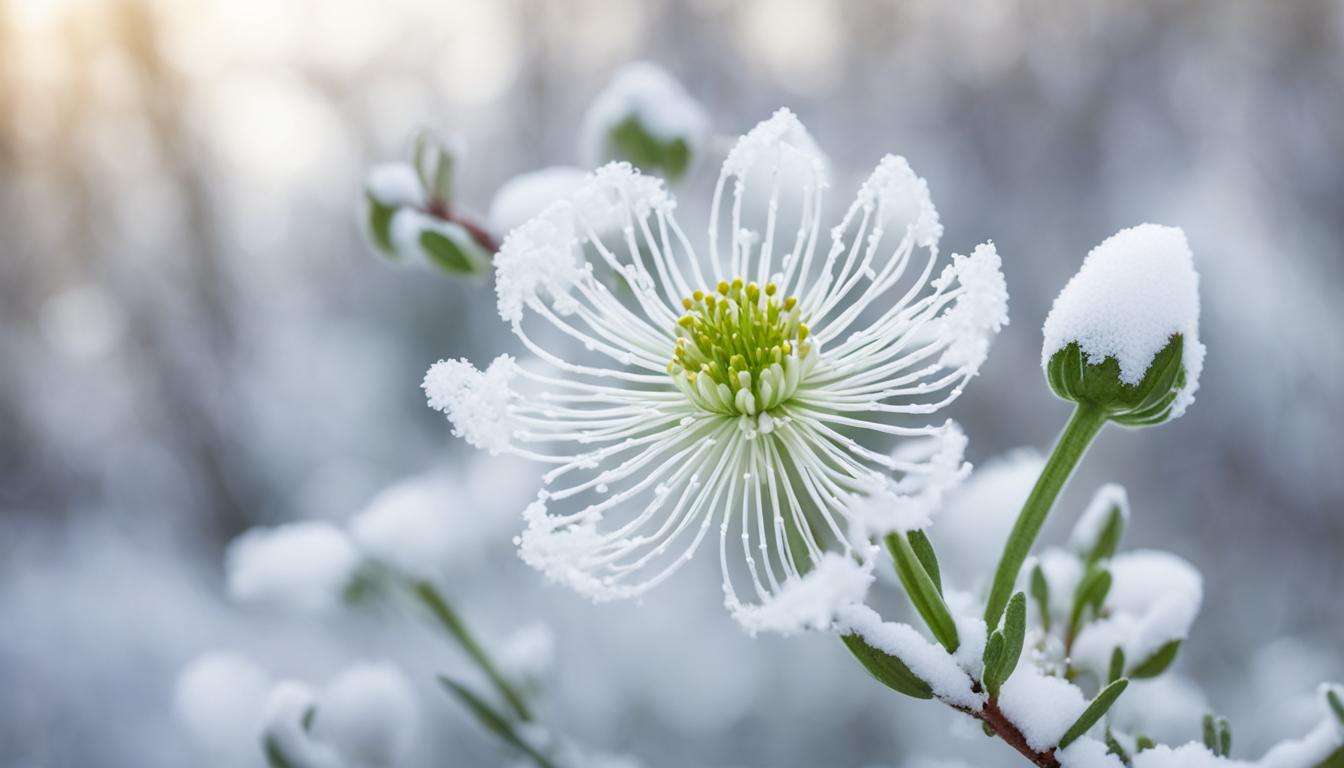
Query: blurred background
point(194, 339)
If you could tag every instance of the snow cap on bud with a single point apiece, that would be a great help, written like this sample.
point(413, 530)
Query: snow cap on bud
point(646, 118)
point(369, 714)
point(1123, 335)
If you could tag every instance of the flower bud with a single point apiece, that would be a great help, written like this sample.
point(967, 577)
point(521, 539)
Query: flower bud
point(646, 118)
point(1123, 335)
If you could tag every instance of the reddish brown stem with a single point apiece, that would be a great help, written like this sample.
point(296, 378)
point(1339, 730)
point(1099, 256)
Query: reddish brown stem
point(483, 238)
point(992, 716)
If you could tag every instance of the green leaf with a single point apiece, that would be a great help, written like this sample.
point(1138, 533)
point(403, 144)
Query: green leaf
point(1157, 663)
point(1335, 760)
point(1335, 701)
point(457, 254)
point(1094, 712)
point(1210, 733)
point(923, 548)
point(1114, 747)
point(1040, 592)
point(275, 756)
point(1091, 594)
point(923, 593)
point(993, 654)
point(1117, 669)
point(1142, 742)
point(629, 140)
point(492, 720)
point(1109, 540)
point(1224, 736)
point(1013, 634)
point(889, 670)
point(378, 226)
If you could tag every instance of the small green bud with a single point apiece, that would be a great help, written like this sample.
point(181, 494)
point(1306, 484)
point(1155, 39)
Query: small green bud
point(435, 158)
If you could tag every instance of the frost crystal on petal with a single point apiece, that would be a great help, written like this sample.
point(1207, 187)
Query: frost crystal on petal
point(476, 403)
point(981, 309)
point(1135, 290)
point(902, 201)
point(538, 260)
point(778, 145)
point(887, 505)
point(808, 602)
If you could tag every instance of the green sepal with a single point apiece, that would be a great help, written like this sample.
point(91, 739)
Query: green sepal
point(451, 248)
point(631, 141)
point(1149, 402)
point(919, 542)
point(1157, 663)
point(889, 670)
point(1040, 592)
point(1094, 712)
point(922, 591)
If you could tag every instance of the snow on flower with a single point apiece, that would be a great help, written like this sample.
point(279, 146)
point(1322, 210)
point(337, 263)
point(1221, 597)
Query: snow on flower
point(524, 196)
point(368, 713)
point(305, 565)
point(1135, 291)
point(646, 96)
point(749, 387)
point(1153, 600)
point(218, 700)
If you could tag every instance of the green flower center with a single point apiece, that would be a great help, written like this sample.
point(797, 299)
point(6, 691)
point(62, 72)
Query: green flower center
point(741, 349)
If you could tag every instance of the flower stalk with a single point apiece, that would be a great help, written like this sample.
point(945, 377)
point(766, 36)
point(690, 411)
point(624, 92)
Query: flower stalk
point(429, 595)
point(1082, 427)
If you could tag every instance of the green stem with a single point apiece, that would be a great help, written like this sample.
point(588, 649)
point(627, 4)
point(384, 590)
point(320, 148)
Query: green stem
point(1086, 421)
point(430, 596)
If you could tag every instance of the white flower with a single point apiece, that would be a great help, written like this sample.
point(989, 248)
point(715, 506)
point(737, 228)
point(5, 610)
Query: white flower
point(752, 387)
point(305, 565)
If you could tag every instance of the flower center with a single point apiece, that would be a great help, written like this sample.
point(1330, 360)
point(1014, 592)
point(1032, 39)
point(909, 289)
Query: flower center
point(740, 349)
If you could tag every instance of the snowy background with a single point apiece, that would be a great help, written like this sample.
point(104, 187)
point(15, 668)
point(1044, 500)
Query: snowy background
point(194, 340)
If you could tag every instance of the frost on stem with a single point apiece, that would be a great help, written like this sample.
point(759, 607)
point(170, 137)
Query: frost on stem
point(1124, 333)
point(753, 387)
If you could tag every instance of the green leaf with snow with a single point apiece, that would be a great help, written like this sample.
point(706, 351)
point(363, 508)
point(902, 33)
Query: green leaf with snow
point(889, 670)
point(1157, 663)
point(1094, 712)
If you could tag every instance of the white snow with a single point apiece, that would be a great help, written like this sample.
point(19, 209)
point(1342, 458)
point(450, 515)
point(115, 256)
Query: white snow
point(809, 602)
point(286, 706)
point(407, 226)
point(1135, 291)
point(1042, 707)
point(1168, 708)
point(1093, 521)
point(977, 516)
point(1306, 752)
point(410, 526)
point(305, 566)
point(218, 700)
point(886, 504)
point(1191, 755)
point(1062, 571)
point(477, 403)
point(526, 195)
point(369, 714)
point(1162, 591)
point(661, 105)
point(395, 185)
point(928, 661)
point(528, 653)
point(1087, 752)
